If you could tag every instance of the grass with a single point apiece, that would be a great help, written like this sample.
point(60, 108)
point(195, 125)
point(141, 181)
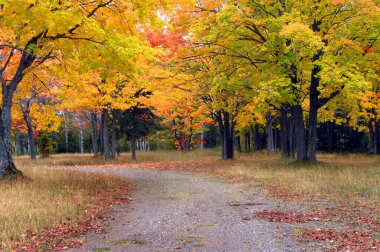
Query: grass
point(346, 177)
point(126, 243)
point(87, 159)
point(46, 198)
point(54, 195)
point(336, 176)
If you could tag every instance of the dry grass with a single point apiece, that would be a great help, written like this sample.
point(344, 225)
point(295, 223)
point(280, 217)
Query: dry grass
point(349, 177)
point(338, 177)
point(352, 177)
point(46, 198)
point(55, 195)
point(87, 159)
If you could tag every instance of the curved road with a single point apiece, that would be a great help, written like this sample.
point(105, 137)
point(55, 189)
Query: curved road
point(180, 212)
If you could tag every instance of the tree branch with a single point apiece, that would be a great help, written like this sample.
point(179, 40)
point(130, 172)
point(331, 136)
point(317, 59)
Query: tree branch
point(7, 62)
point(322, 101)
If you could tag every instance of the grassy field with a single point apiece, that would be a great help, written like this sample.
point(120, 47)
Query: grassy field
point(46, 197)
point(50, 196)
point(337, 177)
point(350, 177)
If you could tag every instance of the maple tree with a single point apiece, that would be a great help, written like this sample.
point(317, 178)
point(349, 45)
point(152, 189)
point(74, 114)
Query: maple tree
point(276, 69)
point(47, 30)
point(52, 30)
point(299, 55)
point(37, 105)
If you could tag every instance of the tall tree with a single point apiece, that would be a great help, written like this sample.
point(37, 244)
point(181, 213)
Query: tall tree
point(301, 50)
point(47, 30)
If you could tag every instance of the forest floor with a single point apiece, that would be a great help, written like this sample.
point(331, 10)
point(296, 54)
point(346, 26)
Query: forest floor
point(333, 204)
point(46, 208)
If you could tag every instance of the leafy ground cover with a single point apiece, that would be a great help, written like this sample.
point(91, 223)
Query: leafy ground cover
point(43, 211)
point(341, 188)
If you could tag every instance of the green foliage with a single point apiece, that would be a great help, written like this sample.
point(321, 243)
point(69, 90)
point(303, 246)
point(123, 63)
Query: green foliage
point(45, 144)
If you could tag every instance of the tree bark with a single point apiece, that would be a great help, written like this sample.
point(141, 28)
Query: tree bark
point(291, 136)
point(237, 143)
point(269, 133)
point(256, 138)
point(202, 139)
point(299, 130)
point(106, 136)
point(226, 129)
point(81, 146)
point(376, 137)
point(312, 137)
point(114, 134)
point(221, 133)
point(247, 142)
point(230, 129)
point(101, 134)
point(26, 115)
point(284, 131)
point(188, 144)
point(7, 166)
point(330, 130)
point(66, 134)
point(133, 150)
point(94, 134)
point(315, 104)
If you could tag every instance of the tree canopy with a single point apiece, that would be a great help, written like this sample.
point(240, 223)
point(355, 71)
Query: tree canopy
point(281, 70)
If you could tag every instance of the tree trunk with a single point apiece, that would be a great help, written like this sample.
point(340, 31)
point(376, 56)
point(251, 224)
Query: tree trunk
point(291, 136)
point(312, 138)
point(299, 131)
point(376, 137)
point(106, 136)
point(7, 166)
point(202, 139)
point(330, 130)
point(219, 120)
point(315, 102)
point(284, 131)
point(237, 143)
point(26, 115)
point(66, 133)
point(133, 150)
point(247, 142)
point(256, 138)
point(114, 135)
point(81, 146)
point(32, 144)
point(67, 140)
point(94, 134)
point(230, 130)
point(226, 129)
point(188, 147)
point(269, 133)
point(101, 134)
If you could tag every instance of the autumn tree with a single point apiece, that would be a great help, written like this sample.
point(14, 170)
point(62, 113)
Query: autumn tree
point(300, 50)
point(47, 30)
point(58, 29)
point(174, 94)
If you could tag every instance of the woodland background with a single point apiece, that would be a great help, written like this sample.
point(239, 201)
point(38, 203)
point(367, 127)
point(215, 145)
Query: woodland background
point(112, 76)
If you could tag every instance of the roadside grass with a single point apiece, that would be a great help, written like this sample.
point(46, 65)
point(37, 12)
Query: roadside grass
point(338, 177)
point(347, 186)
point(151, 156)
point(46, 198)
point(342, 178)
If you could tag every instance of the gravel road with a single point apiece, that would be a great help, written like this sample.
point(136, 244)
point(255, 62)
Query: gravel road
point(181, 212)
